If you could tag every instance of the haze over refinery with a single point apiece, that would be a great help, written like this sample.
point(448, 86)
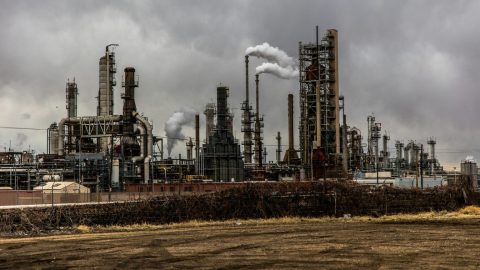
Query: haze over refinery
point(411, 63)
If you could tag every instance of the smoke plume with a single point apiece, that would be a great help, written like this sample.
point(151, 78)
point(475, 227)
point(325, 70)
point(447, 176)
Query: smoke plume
point(174, 124)
point(272, 54)
point(281, 72)
point(279, 63)
point(21, 139)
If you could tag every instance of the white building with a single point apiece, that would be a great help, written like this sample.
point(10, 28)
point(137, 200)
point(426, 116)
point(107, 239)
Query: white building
point(63, 187)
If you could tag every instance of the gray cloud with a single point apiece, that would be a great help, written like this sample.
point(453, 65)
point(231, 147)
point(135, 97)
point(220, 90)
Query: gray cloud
point(412, 63)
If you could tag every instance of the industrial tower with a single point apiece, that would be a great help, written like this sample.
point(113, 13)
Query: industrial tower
point(221, 154)
point(247, 120)
point(107, 70)
point(319, 100)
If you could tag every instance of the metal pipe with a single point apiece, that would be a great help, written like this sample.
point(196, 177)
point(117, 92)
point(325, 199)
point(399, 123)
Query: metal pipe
point(149, 144)
point(142, 132)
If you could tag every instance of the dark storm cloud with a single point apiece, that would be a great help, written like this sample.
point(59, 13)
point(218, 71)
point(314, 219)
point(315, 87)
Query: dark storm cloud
point(412, 63)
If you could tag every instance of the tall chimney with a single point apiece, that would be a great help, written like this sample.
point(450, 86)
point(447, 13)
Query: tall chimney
point(246, 81)
point(290, 155)
point(247, 120)
point(197, 143)
point(258, 139)
point(290, 121)
point(128, 97)
point(257, 103)
point(279, 146)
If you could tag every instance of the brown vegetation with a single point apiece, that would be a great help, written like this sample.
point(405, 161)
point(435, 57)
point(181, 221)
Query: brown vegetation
point(300, 199)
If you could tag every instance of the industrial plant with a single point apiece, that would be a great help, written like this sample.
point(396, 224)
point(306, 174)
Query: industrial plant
point(108, 152)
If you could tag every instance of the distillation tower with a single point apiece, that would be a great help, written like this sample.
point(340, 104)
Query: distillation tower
point(319, 125)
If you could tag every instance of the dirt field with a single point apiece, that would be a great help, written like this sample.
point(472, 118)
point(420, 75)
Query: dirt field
point(303, 244)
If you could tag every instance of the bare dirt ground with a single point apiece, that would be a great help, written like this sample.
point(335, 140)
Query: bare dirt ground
point(301, 244)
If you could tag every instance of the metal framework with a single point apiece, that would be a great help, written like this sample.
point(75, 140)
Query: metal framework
point(96, 127)
point(247, 120)
point(319, 66)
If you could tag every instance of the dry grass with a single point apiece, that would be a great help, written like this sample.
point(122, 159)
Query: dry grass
point(470, 210)
point(83, 229)
point(467, 213)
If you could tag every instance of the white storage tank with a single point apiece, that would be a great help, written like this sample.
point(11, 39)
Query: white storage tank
point(115, 173)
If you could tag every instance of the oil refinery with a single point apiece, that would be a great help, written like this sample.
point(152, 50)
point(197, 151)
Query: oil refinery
point(107, 151)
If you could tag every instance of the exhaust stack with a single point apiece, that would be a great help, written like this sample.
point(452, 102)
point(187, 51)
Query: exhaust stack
point(197, 143)
point(258, 126)
point(291, 156)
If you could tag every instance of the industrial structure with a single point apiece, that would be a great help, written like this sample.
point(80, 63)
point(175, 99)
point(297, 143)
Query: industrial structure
point(108, 151)
point(247, 120)
point(221, 155)
point(319, 127)
point(291, 156)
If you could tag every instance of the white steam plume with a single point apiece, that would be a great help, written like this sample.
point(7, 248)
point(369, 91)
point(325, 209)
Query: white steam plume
point(281, 72)
point(272, 54)
point(174, 124)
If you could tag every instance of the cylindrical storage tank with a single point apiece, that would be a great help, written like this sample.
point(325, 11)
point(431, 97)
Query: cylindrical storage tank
point(115, 173)
point(470, 168)
point(53, 138)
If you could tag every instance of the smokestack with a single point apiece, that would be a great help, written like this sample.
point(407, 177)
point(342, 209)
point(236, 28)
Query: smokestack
point(258, 139)
point(257, 104)
point(279, 147)
point(197, 143)
point(247, 120)
point(290, 122)
point(290, 154)
point(128, 97)
point(246, 81)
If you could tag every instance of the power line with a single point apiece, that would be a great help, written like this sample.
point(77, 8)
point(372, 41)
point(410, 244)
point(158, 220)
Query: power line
point(24, 128)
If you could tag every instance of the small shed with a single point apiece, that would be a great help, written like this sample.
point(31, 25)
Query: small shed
point(63, 187)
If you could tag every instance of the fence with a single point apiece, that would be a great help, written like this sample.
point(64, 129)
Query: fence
point(38, 198)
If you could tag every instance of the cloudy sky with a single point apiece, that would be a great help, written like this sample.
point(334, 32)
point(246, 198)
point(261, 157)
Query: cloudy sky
point(414, 64)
